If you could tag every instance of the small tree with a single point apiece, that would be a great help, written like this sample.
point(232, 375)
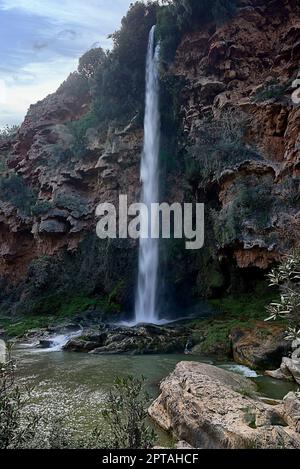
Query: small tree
point(126, 415)
point(91, 61)
point(287, 277)
point(16, 430)
point(8, 132)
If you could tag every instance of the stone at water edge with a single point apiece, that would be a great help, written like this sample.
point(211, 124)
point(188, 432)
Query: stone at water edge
point(289, 370)
point(3, 351)
point(209, 407)
point(261, 346)
point(290, 367)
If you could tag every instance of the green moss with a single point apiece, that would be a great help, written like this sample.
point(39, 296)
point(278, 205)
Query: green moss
point(212, 336)
point(246, 306)
point(52, 310)
point(19, 327)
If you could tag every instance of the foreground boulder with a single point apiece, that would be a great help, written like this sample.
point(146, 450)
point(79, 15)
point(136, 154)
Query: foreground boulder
point(262, 346)
point(212, 408)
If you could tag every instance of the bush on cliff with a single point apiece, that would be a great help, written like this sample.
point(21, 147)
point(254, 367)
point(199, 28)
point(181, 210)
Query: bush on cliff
point(180, 16)
point(15, 190)
point(7, 133)
point(219, 145)
point(118, 87)
point(250, 204)
point(271, 90)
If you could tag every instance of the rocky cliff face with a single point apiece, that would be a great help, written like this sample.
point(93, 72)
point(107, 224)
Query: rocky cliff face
point(244, 70)
point(65, 189)
point(238, 72)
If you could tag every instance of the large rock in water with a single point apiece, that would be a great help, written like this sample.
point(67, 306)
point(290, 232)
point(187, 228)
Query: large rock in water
point(262, 346)
point(143, 339)
point(212, 408)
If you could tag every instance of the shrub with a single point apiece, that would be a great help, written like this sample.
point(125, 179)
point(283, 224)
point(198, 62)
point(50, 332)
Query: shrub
point(79, 130)
point(220, 145)
point(77, 205)
point(126, 416)
point(119, 87)
point(41, 207)
point(271, 90)
point(249, 202)
point(75, 85)
point(290, 191)
point(15, 190)
point(90, 62)
point(16, 430)
point(179, 16)
point(7, 133)
point(287, 278)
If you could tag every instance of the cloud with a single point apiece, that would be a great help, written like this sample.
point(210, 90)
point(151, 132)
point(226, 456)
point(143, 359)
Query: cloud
point(19, 94)
point(41, 42)
point(89, 13)
point(38, 45)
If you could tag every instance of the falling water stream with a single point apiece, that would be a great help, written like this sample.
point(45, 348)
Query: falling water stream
point(146, 309)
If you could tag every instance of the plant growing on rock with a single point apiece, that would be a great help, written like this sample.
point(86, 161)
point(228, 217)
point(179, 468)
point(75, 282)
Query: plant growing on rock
point(287, 278)
point(250, 204)
point(15, 190)
point(219, 147)
point(76, 204)
point(176, 17)
point(271, 90)
point(7, 133)
point(90, 62)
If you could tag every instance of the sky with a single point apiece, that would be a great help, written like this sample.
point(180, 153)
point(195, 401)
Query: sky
point(41, 42)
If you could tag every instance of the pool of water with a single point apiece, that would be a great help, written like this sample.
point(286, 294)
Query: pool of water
point(76, 385)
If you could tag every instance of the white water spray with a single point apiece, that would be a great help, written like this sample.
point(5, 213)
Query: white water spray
point(146, 299)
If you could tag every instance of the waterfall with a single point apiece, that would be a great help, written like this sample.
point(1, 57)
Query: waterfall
point(146, 298)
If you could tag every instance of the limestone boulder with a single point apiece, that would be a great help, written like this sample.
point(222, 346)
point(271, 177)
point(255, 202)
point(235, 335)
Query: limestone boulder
point(212, 408)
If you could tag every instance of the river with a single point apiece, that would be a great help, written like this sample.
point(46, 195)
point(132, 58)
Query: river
point(75, 385)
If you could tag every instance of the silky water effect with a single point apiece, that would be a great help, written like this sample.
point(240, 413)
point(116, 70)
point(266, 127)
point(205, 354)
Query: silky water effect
point(146, 308)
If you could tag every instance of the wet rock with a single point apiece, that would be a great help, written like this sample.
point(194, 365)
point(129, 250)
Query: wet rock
point(145, 339)
point(79, 345)
point(261, 346)
point(44, 343)
point(86, 343)
point(212, 408)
